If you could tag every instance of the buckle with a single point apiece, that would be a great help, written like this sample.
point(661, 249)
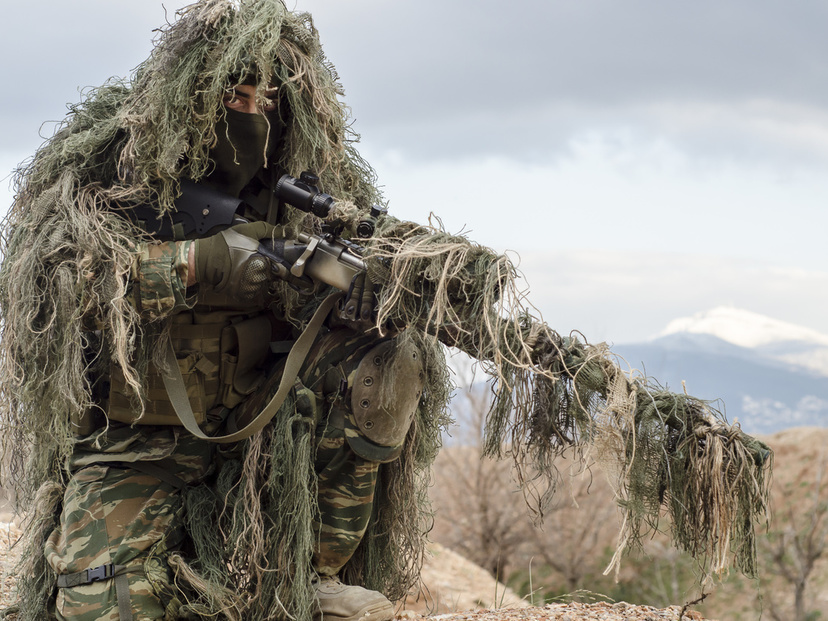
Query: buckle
point(102, 572)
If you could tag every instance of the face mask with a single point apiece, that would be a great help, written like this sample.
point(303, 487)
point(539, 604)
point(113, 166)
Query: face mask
point(239, 151)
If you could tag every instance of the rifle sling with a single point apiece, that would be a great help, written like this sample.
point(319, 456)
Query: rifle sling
point(174, 382)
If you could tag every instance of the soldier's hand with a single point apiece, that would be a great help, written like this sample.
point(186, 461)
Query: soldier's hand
point(359, 307)
point(229, 262)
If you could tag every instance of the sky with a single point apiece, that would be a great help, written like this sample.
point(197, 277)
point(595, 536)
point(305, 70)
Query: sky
point(641, 160)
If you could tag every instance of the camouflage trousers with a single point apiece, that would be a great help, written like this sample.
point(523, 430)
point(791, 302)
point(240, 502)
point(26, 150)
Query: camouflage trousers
point(121, 521)
point(347, 462)
point(119, 525)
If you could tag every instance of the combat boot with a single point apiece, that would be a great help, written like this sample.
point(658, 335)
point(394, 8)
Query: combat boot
point(340, 602)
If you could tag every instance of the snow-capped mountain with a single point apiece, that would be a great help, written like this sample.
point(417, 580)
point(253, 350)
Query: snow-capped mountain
point(743, 328)
point(771, 338)
point(769, 374)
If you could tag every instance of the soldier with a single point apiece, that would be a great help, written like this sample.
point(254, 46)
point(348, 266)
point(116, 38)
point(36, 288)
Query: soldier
point(107, 299)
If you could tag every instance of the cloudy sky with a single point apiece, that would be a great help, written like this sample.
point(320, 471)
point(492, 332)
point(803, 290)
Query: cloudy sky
point(644, 160)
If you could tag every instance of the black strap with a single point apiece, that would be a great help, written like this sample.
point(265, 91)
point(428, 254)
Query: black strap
point(96, 574)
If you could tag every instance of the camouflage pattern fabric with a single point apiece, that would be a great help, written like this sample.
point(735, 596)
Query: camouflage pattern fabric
point(115, 514)
point(160, 278)
point(346, 496)
point(346, 463)
point(206, 343)
point(329, 371)
point(212, 363)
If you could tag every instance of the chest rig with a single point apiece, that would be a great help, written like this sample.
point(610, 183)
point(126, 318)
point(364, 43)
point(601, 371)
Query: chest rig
point(222, 350)
point(217, 356)
point(221, 355)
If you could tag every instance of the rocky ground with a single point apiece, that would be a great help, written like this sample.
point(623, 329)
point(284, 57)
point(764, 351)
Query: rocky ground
point(454, 589)
point(600, 611)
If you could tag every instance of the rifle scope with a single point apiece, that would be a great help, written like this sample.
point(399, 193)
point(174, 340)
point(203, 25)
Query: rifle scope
point(303, 194)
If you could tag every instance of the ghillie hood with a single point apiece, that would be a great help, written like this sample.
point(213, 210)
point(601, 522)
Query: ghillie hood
point(131, 141)
point(68, 255)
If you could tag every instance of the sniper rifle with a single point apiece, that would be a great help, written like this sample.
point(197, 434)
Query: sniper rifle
point(327, 257)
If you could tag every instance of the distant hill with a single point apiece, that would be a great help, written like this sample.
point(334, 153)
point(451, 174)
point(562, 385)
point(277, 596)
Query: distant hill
point(770, 375)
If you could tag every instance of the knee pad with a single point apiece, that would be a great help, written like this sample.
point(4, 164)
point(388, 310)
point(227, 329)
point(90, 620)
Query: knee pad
point(385, 392)
point(373, 387)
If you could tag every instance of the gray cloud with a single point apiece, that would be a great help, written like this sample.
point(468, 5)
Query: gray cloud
point(631, 296)
point(52, 50)
point(434, 83)
point(476, 55)
point(473, 78)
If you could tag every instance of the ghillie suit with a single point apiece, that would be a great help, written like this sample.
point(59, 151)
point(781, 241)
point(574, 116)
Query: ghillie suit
point(68, 310)
point(68, 307)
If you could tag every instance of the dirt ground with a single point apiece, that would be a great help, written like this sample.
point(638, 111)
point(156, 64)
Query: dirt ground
point(454, 589)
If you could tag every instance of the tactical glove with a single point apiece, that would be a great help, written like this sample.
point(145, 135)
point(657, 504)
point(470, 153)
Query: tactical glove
point(229, 264)
point(358, 310)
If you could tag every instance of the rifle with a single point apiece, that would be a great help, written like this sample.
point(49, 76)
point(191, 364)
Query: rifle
point(328, 258)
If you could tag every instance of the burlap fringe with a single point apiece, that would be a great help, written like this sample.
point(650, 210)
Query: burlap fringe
point(665, 453)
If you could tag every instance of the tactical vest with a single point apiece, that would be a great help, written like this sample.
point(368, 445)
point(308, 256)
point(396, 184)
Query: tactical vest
point(222, 354)
point(222, 357)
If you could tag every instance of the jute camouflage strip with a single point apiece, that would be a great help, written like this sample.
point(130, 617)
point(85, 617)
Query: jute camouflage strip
point(113, 514)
